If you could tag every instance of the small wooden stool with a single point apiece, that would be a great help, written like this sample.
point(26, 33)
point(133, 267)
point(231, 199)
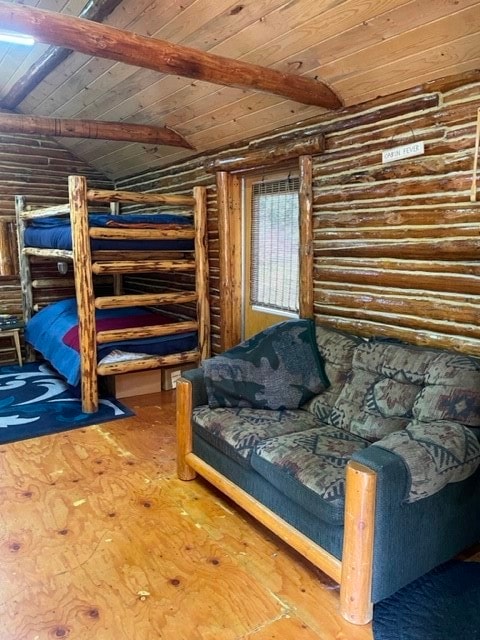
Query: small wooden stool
point(15, 334)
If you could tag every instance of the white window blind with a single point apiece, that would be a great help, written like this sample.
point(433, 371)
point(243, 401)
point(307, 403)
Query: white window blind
point(274, 282)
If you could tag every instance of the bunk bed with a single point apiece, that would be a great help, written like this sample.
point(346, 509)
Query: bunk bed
point(97, 248)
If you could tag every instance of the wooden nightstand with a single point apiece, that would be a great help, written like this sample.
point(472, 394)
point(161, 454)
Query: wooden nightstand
point(13, 331)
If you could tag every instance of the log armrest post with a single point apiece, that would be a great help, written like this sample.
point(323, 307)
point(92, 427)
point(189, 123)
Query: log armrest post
point(184, 429)
point(357, 559)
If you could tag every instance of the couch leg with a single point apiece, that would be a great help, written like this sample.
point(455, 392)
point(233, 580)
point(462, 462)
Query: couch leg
point(184, 429)
point(357, 559)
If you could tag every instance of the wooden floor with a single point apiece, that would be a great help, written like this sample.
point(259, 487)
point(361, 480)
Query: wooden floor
point(100, 541)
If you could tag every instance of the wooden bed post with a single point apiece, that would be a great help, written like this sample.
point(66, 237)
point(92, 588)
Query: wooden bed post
point(77, 188)
point(357, 558)
point(184, 429)
point(117, 278)
point(201, 260)
point(23, 261)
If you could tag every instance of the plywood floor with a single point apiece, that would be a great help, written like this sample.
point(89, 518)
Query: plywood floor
point(99, 540)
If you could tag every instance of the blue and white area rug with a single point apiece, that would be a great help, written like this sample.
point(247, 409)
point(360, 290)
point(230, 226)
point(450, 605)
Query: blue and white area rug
point(35, 401)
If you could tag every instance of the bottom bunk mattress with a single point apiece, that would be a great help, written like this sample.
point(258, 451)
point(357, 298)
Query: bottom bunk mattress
point(53, 332)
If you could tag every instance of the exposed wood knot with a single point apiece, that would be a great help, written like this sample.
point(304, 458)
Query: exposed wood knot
point(27, 494)
point(112, 514)
point(214, 561)
point(15, 546)
point(236, 10)
point(174, 582)
point(93, 613)
point(62, 532)
point(60, 632)
point(147, 505)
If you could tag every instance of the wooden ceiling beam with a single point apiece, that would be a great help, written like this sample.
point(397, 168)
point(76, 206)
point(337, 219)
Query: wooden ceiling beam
point(64, 128)
point(117, 44)
point(96, 10)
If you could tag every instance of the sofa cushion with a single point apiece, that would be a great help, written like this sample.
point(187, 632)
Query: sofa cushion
point(380, 393)
point(336, 349)
point(236, 431)
point(309, 467)
point(279, 368)
point(452, 390)
point(435, 453)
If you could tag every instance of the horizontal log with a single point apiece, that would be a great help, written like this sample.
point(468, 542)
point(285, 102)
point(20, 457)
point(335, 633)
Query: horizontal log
point(139, 266)
point(418, 279)
point(434, 266)
point(94, 129)
point(154, 331)
point(117, 302)
point(266, 156)
point(152, 362)
point(419, 167)
point(369, 328)
point(57, 283)
point(398, 320)
point(393, 189)
point(401, 232)
point(116, 44)
point(111, 255)
point(419, 249)
point(54, 210)
point(429, 200)
point(49, 253)
point(456, 310)
point(104, 195)
point(111, 233)
point(397, 217)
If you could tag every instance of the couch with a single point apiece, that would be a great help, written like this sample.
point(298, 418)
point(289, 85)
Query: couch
point(375, 478)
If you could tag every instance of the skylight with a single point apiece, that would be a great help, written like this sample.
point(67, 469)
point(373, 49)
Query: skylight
point(16, 38)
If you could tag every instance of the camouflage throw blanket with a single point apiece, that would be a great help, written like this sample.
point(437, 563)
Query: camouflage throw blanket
point(435, 453)
point(279, 368)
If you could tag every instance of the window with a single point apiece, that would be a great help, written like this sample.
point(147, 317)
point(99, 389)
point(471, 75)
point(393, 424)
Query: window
point(274, 275)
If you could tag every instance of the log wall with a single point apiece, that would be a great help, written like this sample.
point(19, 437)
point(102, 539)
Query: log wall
point(396, 245)
point(38, 169)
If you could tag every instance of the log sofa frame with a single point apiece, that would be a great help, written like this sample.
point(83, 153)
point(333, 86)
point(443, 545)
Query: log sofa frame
point(354, 571)
point(87, 264)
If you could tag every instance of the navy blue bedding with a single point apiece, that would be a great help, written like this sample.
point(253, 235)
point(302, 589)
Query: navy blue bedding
point(55, 233)
point(48, 329)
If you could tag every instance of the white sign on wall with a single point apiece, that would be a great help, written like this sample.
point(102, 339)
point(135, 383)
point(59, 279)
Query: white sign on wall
point(404, 151)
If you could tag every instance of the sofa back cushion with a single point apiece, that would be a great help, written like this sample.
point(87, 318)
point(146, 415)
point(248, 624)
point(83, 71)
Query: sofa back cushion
point(379, 396)
point(451, 391)
point(336, 349)
point(278, 368)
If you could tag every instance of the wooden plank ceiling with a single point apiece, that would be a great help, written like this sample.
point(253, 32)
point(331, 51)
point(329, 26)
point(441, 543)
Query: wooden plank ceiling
point(360, 48)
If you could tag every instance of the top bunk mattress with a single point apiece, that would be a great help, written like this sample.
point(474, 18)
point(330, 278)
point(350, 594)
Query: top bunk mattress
point(55, 233)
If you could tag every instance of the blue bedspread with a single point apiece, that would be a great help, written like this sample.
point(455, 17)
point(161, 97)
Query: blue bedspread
point(46, 329)
point(55, 233)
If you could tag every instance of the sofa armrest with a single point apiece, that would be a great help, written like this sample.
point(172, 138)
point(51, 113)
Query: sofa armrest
point(392, 474)
point(199, 390)
point(424, 532)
